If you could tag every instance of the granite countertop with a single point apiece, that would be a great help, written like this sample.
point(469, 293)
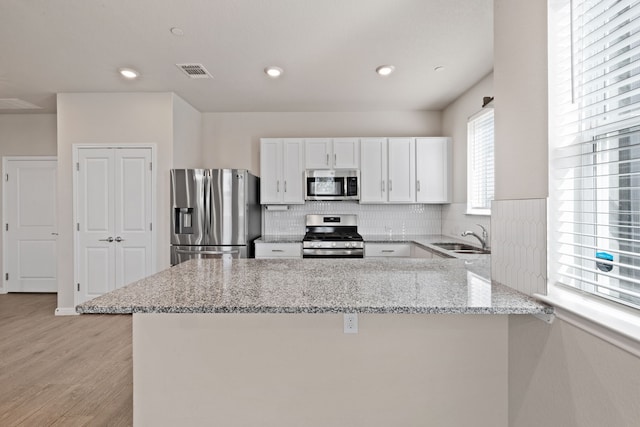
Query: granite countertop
point(318, 286)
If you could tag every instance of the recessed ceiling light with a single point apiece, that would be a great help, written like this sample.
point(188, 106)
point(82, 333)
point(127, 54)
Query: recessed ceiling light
point(439, 68)
point(273, 72)
point(129, 73)
point(385, 70)
point(176, 31)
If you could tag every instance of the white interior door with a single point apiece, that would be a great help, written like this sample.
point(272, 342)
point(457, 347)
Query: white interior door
point(95, 222)
point(132, 215)
point(30, 225)
point(114, 214)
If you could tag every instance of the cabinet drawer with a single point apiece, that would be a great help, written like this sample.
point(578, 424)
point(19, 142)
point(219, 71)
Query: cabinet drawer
point(278, 250)
point(387, 250)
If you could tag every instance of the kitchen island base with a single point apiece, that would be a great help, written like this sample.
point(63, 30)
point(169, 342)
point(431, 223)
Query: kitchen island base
point(263, 369)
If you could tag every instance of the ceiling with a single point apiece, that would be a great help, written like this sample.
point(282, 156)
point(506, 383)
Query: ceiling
point(328, 49)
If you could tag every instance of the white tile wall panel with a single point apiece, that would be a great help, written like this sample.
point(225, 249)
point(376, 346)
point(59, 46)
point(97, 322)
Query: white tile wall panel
point(373, 220)
point(519, 244)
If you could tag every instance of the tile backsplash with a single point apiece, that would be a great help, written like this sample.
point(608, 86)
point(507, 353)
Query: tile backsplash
point(373, 220)
point(519, 242)
point(455, 220)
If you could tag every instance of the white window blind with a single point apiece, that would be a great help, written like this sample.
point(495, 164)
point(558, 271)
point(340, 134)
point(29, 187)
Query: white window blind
point(595, 152)
point(480, 162)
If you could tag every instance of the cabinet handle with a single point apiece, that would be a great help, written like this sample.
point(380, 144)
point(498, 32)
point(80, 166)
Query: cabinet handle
point(383, 186)
point(388, 250)
point(327, 159)
point(335, 159)
point(277, 250)
point(119, 239)
point(285, 186)
point(108, 239)
point(418, 185)
point(277, 186)
point(390, 186)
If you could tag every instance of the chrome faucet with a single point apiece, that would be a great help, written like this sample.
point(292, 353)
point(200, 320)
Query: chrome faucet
point(483, 239)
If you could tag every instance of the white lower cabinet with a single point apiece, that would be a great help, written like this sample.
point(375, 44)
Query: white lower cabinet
point(385, 250)
point(278, 250)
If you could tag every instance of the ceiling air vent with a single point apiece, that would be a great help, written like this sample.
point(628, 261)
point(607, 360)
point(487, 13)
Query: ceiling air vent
point(195, 71)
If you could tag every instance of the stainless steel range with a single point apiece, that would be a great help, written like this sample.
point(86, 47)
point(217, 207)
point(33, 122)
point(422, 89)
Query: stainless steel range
point(332, 236)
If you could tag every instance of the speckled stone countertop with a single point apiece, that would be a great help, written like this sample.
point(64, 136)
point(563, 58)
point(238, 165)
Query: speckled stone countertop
point(318, 286)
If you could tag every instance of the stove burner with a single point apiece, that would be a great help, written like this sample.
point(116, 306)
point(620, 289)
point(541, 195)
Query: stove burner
point(338, 236)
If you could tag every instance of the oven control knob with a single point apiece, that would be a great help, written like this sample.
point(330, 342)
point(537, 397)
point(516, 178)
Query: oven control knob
point(316, 245)
point(348, 245)
point(333, 244)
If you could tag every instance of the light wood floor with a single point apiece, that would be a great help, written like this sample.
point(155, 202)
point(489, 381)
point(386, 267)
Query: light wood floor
point(63, 371)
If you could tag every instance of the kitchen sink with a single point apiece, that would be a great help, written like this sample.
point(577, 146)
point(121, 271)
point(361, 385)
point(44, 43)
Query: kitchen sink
point(462, 248)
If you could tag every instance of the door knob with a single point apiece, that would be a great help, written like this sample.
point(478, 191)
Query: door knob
point(108, 239)
point(119, 239)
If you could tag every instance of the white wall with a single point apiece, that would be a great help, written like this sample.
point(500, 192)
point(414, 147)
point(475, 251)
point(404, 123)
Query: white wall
point(26, 135)
point(187, 135)
point(520, 86)
point(111, 118)
point(558, 375)
point(231, 140)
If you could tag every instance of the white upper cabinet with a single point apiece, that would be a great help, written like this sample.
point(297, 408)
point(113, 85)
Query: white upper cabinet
point(317, 153)
point(346, 153)
point(392, 170)
point(433, 170)
point(402, 170)
point(387, 173)
point(328, 153)
point(373, 171)
point(281, 171)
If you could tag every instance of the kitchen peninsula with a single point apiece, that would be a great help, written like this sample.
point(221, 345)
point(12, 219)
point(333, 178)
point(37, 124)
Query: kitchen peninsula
point(257, 342)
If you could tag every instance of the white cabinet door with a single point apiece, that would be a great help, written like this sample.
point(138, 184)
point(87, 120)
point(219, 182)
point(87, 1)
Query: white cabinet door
point(386, 250)
point(433, 170)
point(346, 153)
point(293, 172)
point(318, 153)
point(373, 170)
point(337, 153)
point(281, 171)
point(278, 250)
point(270, 171)
point(114, 212)
point(30, 229)
point(402, 170)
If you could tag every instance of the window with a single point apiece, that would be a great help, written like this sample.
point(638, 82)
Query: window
point(480, 162)
point(595, 149)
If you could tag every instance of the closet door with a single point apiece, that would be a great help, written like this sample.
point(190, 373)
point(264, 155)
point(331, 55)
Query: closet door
point(114, 212)
point(132, 215)
point(95, 198)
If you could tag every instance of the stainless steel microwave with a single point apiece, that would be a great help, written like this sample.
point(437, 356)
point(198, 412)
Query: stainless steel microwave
point(323, 184)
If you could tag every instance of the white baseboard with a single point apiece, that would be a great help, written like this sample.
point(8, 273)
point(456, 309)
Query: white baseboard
point(66, 311)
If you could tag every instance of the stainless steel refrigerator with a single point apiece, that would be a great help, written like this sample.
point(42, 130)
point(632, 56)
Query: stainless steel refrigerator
point(214, 213)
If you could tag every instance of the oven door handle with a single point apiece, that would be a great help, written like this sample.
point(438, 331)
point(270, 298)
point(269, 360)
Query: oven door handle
point(182, 251)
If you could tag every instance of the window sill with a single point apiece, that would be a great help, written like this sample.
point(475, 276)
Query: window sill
point(616, 325)
point(481, 212)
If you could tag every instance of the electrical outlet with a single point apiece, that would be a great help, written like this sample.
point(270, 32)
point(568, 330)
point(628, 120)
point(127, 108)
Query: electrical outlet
point(350, 323)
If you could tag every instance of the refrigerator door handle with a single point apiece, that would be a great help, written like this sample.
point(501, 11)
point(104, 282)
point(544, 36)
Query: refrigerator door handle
point(182, 251)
